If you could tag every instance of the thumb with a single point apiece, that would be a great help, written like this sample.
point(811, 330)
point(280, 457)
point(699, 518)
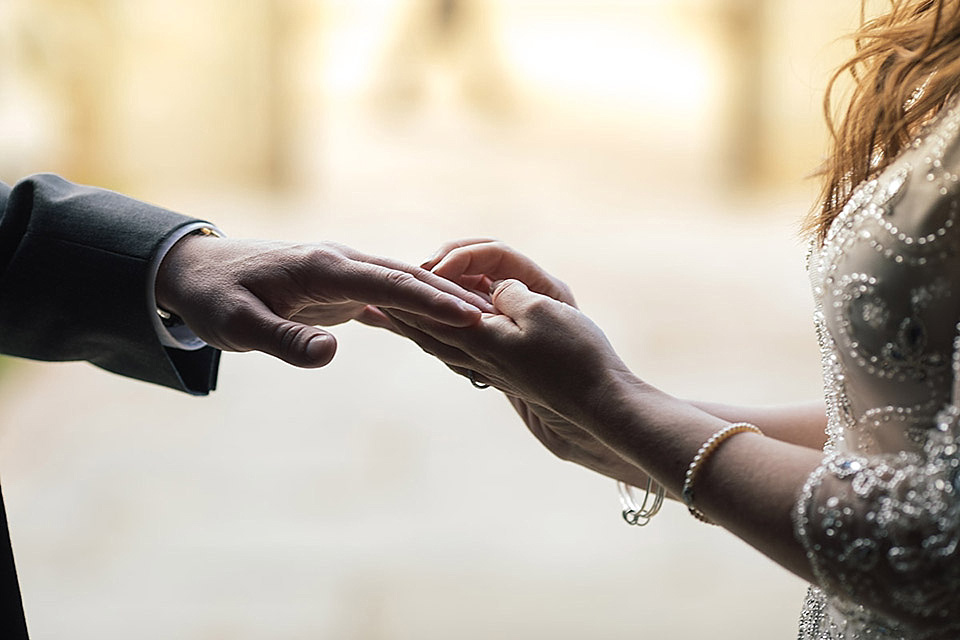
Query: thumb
point(298, 344)
point(512, 297)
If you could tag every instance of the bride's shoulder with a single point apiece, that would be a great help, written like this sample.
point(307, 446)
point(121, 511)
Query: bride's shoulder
point(923, 184)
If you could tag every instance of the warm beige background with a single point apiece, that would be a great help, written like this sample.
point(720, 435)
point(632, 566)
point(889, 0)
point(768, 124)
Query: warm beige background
point(652, 153)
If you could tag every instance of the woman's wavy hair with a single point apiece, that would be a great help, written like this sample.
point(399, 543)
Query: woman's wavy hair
point(906, 66)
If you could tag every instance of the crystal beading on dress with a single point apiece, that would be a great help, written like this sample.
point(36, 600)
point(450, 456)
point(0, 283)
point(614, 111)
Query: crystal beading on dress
point(880, 517)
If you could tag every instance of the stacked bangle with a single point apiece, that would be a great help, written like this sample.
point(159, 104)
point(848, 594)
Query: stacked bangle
point(639, 514)
point(706, 450)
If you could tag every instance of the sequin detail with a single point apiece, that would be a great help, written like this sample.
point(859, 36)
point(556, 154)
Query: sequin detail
point(880, 517)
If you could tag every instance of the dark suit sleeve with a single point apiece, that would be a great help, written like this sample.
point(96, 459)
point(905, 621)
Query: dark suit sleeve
point(74, 266)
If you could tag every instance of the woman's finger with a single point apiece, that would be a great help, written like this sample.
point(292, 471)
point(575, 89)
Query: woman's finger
point(498, 261)
point(515, 300)
point(458, 361)
point(481, 338)
point(447, 247)
point(448, 354)
point(481, 285)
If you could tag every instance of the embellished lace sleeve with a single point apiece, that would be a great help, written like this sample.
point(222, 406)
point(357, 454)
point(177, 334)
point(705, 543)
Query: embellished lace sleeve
point(880, 518)
point(882, 531)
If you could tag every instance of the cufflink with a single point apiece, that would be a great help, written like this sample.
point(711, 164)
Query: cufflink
point(167, 319)
point(205, 231)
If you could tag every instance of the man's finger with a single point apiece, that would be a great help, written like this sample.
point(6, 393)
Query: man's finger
point(424, 325)
point(421, 274)
point(420, 293)
point(439, 282)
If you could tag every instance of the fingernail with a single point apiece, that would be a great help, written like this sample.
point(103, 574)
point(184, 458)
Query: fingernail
point(318, 347)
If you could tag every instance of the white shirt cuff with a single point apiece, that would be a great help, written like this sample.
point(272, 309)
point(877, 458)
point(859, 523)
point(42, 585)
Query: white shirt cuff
point(179, 336)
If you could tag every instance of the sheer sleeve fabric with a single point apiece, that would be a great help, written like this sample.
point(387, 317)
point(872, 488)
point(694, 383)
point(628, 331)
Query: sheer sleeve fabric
point(880, 517)
point(882, 531)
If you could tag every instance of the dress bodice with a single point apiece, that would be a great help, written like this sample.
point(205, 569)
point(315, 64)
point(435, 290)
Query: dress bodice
point(880, 517)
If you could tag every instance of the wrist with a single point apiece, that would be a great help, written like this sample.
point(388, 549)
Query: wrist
point(603, 403)
point(613, 409)
point(175, 267)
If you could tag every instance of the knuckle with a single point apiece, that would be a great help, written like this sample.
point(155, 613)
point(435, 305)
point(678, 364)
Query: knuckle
point(334, 247)
point(504, 287)
point(419, 273)
point(540, 307)
point(400, 279)
point(325, 256)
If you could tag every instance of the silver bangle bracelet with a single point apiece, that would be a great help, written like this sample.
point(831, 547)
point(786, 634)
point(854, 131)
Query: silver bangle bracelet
point(639, 514)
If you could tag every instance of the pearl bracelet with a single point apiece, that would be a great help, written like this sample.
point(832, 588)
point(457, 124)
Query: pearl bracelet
point(706, 450)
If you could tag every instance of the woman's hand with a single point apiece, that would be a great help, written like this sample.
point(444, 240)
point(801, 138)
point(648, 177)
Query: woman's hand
point(538, 349)
point(522, 356)
point(477, 263)
point(572, 443)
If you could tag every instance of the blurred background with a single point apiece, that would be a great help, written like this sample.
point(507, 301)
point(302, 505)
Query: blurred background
point(652, 153)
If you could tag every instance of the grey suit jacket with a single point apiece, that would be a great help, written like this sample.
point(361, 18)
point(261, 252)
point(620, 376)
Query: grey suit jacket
point(74, 265)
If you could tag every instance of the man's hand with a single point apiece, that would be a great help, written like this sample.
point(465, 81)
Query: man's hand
point(245, 295)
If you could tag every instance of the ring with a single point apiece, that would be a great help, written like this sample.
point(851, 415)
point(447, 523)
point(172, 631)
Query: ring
point(473, 380)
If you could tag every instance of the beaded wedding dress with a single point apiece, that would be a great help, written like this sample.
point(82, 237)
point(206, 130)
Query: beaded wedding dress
point(880, 518)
